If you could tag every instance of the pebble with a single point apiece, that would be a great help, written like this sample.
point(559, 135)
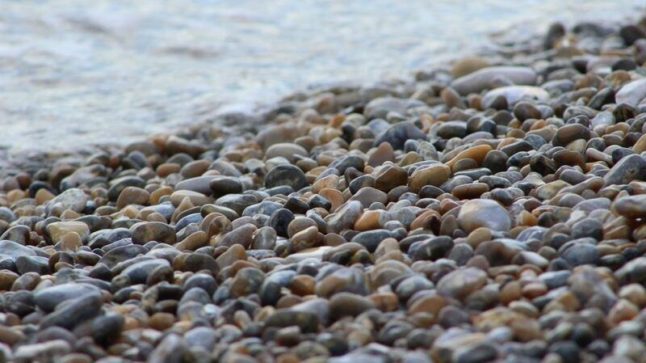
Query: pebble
point(483, 213)
point(484, 78)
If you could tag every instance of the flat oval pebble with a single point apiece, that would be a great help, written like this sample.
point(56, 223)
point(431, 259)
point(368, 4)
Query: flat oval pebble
point(483, 213)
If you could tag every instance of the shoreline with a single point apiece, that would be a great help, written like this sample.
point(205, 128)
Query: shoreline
point(494, 51)
point(489, 210)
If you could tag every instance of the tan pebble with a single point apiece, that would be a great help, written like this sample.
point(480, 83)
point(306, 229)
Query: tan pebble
point(195, 198)
point(478, 236)
point(387, 245)
point(15, 195)
point(185, 205)
point(334, 196)
point(194, 241)
point(635, 293)
point(298, 224)
point(307, 238)
point(164, 170)
point(476, 153)
point(429, 220)
point(132, 195)
point(56, 230)
point(534, 290)
point(288, 358)
point(434, 174)
point(130, 211)
point(330, 181)
point(389, 177)
point(410, 158)
point(468, 65)
point(512, 291)
point(369, 220)
point(161, 321)
point(431, 303)
point(383, 153)
point(303, 285)
point(564, 302)
point(333, 239)
point(7, 279)
point(43, 196)
point(623, 310)
point(156, 195)
point(385, 301)
point(10, 336)
point(71, 241)
point(288, 301)
point(155, 217)
point(130, 323)
point(470, 191)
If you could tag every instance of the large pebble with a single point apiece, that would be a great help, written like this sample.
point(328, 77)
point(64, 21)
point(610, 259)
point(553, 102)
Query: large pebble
point(483, 213)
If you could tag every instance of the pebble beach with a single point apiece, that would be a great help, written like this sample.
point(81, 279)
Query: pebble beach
point(492, 209)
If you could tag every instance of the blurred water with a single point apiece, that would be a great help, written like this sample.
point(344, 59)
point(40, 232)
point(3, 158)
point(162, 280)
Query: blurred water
point(77, 72)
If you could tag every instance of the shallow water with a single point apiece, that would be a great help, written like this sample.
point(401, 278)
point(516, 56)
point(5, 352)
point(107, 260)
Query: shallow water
point(72, 75)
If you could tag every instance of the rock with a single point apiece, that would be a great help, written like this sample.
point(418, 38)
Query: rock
point(581, 254)
point(153, 231)
point(629, 168)
point(132, 195)
point(468, 65)
point(13, 250)
point(462, 282)
point(56, 230)
point(74, 199)
point(632, 93)
point(308, 322)
point(434, 174)
point(348, 304)
point(568, 133)
point(397, 135)
point(369, 195)
point(49, 298)
point(200, 184)
point(633, 206)
point(171, 349)
point(380, 107)
point(286, 175)
point(345, 216)
point(222, 185)
point(73, 312)
point(514, 94)
point(487, 77)
point(288, 151)
point(483, 213)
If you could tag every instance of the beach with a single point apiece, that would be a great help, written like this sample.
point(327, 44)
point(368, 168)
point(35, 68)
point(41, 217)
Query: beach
point(491, 208)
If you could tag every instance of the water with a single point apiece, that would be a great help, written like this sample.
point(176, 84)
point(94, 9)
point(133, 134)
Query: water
point(74, 74)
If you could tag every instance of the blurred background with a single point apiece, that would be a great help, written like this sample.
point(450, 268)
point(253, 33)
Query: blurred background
point(75, 73)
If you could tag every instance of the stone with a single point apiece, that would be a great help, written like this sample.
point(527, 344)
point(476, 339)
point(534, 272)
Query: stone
point(434, 174)
point(132, 195)
point(483, 213)
point(629, 168)
point(74, 312)
point(286, 175)
point(74, 199)
point(487, 77)
point(56, 230)
point(633, 206)
point(632, 93)
point(397, 135)
point(153, 231)
point(49, 298)
point(288, 151)
point(462, 282)
point(514, 94)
